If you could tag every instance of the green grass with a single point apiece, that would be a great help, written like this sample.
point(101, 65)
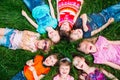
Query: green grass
point(11, 62)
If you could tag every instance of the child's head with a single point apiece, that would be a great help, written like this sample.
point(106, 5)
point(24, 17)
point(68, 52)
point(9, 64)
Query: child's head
point(54, 35)
point(65, 29)
point(76, 34)
point(64, 67)
point(51, 60)
point(44, 44)
point(79, 62)
point(87, 47)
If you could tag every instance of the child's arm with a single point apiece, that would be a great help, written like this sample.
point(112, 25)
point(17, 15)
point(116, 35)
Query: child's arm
point(36, 77)
point(27, 47)
point(84, 21)
point(51, 9)
point(103, 27)
point(109, 75)
point(114, 42)
point(113, 65)
point(76, 16)
point(30, 33)
point(29, 19)
point(58, 15)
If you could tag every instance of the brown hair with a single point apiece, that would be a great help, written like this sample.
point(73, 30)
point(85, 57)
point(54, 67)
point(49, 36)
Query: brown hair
point(64, 34)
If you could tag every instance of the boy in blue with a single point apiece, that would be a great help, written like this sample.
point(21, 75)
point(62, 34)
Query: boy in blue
point(89, 25)
point(45, 21)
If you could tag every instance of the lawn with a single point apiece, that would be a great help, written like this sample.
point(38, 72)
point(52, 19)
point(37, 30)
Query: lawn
point(13, 61)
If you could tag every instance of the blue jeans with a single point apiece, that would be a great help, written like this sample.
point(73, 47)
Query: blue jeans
point(19, 76)
point(112, 11)
point(33, 3)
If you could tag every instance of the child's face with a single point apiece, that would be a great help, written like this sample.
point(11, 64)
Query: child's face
point(64, 70)
point(65, 26)
point(54, 36)
point(87, 47)
point(76, 34)
point(50, 61)
point(43, 44)
point(79, 63)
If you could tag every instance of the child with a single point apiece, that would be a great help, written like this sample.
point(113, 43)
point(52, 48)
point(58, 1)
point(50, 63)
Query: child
point(68, 11)
point(104, 51)
point(45, 21)
point(91, 73)
point(36, 69)
point(27, 40)
point(64, 70)
point(89, 25)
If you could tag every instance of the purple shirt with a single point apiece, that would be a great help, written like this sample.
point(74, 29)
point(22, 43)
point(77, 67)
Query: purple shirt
point(106, 52)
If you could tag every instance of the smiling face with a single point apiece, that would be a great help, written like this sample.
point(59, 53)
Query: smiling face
point(87, 47)
point(64, 70)
point(50, 60)
point(43, 44)
point(76, 34)
point(54, 36)
point(79, 63)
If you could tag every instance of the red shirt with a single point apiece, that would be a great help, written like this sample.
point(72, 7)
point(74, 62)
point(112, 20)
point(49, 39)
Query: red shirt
point(67, 10)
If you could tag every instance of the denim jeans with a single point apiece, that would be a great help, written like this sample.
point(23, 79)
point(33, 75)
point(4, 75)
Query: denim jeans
point(112, 11)
point(19, 76)
point(33, 3)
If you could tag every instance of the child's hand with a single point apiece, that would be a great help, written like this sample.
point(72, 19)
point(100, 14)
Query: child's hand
point(31, 68)
point(85, 28)
point(110, 20)
point(24, 13)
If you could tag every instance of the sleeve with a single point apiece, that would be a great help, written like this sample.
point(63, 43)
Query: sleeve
point(54, 23)
point(46, 70)
point(37, 59)
point(41, 30)
point(56, 77)
point(87, 34)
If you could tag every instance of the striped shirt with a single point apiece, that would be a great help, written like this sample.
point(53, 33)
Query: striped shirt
point(67, 10)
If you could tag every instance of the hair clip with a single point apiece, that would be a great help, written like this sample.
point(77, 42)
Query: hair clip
point(66, 59)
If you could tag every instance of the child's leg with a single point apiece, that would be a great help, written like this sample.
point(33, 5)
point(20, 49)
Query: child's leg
point(111, 11)
point(5, 39)
point(19, 76)
point(33, 3)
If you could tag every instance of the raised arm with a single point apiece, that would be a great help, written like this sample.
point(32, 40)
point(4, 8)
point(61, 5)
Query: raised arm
point(103, 27)
point(51, 9)
point(27, 47)
point(84, 21)
point(58, 15)
point(30, 33)
point(76, 16)
point(109, 75)
point(29, 19)
point(113, 65)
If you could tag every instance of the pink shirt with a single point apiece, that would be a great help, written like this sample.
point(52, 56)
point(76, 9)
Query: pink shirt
point(57, 77)
point(106, 52)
